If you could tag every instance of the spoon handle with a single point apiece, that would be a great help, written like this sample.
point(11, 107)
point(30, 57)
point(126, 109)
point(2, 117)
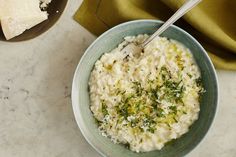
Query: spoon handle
point(178, 14)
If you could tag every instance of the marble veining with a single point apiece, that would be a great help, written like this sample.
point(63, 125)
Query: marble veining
point(36, 117)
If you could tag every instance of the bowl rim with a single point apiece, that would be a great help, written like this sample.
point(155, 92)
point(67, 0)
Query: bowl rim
point(73, 96)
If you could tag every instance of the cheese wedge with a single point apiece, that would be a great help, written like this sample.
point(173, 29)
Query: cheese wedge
point(3, 8)
point(16, 16)
point(12, 26)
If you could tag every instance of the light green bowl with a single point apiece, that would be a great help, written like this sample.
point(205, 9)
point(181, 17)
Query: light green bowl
point(108, 41)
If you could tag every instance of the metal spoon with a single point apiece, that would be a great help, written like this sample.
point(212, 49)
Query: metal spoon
point(178, 14)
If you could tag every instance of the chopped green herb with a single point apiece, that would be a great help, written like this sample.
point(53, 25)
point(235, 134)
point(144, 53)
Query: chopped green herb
point(160, 112)
point(141, 129)
point(174, 109)
point(190, 76)
point(174, 91)
point(154, 95)
point(165, 74)
point(199, 81)
point(124, 111)
point(138, 88)
point(97, 122)
point(175, 119)
point(104, 108)
point(134, 122)
point(151, 129)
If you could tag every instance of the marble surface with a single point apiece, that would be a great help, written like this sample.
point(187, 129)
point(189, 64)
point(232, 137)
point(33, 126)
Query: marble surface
point(36, 117)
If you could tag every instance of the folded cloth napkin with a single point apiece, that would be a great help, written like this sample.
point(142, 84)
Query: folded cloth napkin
point(212, 23)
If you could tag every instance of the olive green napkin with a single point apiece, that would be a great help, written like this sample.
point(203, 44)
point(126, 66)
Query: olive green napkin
point(212, 22)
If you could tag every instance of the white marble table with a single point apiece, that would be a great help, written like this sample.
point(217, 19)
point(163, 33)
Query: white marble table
point(36, 117)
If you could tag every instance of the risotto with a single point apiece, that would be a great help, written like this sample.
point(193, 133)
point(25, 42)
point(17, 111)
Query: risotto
point(145, 99)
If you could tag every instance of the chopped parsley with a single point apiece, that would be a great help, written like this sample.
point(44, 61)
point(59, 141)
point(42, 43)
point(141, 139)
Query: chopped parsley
point(174, 91)
point(199, 81)
point(173, 109)
point(160, 112)
point(104, 108)
point(144, 104)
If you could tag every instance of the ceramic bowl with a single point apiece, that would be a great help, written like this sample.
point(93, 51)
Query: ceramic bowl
point(108, 41)
point(55, 10)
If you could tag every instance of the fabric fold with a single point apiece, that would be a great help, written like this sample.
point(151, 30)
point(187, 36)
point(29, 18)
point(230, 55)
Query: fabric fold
point(212, 23)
